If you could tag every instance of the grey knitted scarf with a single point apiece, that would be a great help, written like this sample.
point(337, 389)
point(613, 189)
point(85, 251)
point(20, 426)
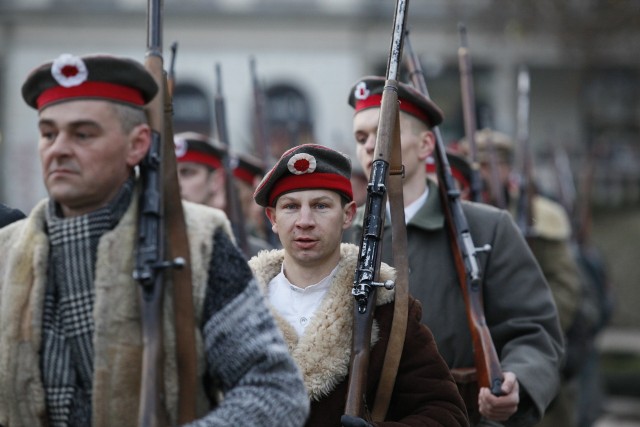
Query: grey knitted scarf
point(67, 354)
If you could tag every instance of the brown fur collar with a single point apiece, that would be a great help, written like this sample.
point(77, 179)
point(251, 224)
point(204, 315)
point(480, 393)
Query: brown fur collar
point(323, 352)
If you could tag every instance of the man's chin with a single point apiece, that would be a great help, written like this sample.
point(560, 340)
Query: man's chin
point(60, 194)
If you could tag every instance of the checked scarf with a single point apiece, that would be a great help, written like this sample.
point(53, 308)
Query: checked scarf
point(67, 355)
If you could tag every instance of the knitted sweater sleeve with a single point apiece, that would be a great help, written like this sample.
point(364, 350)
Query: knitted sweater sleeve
point(9, 215)
point(245, 350)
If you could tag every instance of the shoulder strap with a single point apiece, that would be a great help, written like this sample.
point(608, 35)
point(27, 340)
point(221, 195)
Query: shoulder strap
point(401, 301)
point(178, 246)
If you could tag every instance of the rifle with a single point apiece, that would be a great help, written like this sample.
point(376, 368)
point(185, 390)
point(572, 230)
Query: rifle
point(233, 207)
point(469, 113)
point(262, 139)
point(161, 216)
point(171, 76)
point(524, 211)
point(564, 179)
point(387, 155)
point(582, 213)
point(463, 250)
point(261, 130)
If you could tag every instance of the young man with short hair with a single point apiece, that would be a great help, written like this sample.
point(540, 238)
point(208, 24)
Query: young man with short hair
point(308, 198)
point(519, 308)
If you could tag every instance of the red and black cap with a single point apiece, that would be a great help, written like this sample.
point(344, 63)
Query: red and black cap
point(248, 168)
point(367, 93)
point(305, 167)
point(103, 77)
point(197, 148)
point(460, 168)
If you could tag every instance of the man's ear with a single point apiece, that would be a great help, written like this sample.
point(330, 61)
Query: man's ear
point(271, 214)
point(349, 213)
point(139, 143)
point(218, 180)
point(427, 144)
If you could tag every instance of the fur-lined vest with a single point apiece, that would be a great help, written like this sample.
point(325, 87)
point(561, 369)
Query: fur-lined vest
point(24, 249)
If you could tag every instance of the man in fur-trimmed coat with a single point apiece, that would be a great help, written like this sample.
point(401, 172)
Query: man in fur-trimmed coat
point(308, 198)
point(71, 341)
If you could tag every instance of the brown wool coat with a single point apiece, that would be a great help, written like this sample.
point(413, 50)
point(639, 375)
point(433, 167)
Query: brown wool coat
point(424, 393)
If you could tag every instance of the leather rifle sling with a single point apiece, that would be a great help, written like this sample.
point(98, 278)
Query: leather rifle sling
point(401, 264)
point(178, 246)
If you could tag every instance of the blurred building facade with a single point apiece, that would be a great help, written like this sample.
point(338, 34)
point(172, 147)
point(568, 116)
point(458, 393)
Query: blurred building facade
point(581, 55)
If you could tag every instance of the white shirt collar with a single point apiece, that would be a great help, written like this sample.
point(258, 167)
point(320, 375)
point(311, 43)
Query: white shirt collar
point(413, 208)
point(297, 305)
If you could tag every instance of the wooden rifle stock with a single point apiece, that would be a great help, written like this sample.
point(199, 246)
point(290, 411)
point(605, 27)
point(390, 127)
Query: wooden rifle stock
point(470, 126)
point(582, 215)
point(368, 269)
point(151, 410)
point(463, 250)
point(233, 207)
point(161, 216)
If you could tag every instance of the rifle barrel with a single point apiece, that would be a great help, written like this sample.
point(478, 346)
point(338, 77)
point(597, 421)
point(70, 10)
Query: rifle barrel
point(150, 409)
point(368, 270)
point(261, 141)
point(524, 214)
point(154, 27)
point(233, 207)
point(463, 250)
point(172, 68)
point(470, 126)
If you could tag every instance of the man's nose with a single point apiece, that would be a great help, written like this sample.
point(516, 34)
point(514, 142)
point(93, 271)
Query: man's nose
point(305, 217)
point(370, 143)
point(61, 144)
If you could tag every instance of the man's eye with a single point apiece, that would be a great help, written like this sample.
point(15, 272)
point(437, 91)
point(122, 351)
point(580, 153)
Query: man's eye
point(49, 136)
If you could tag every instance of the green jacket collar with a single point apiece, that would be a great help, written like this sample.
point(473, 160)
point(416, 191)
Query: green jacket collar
point(428, 217)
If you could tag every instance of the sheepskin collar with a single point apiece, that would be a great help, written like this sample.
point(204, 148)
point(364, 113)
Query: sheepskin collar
point(323, 352)
point(24, 247)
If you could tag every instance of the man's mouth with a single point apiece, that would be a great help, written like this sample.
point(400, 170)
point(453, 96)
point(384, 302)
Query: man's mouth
point(305, 239)
point(305, 242)
point(61, 171)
